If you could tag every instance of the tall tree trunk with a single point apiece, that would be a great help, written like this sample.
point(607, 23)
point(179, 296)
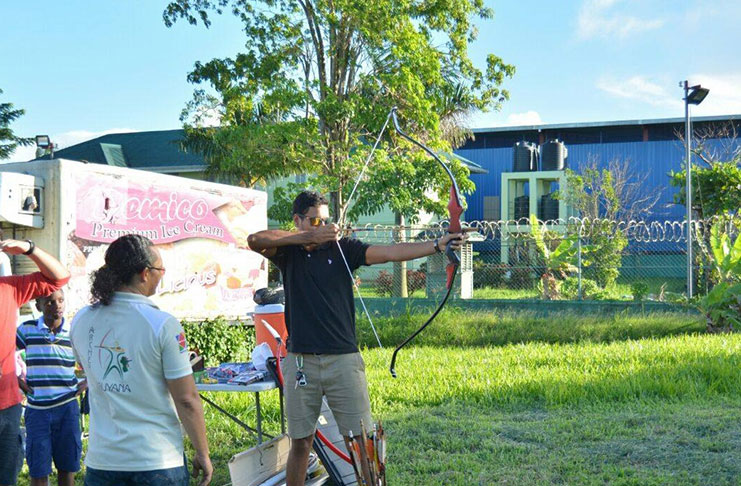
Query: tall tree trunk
point(335, 197)
point(399, 288)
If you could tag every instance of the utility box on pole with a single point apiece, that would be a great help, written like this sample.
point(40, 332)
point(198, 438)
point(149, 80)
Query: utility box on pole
point(437, 276)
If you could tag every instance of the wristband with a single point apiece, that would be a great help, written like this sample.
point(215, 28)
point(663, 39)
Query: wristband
point(437, 245)
point(31, 247)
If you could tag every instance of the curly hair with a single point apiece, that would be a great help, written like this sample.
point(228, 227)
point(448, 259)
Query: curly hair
point(306, 200)
point(126, 257)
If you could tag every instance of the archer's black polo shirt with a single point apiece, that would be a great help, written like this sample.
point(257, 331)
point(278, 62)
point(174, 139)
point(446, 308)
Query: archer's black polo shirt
point(320, 306)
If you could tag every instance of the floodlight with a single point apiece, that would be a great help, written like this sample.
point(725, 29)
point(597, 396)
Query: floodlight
point(42, 141)
point(697, 94)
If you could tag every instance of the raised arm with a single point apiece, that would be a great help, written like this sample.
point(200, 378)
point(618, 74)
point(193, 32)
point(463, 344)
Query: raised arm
point(49, 266)
point(267, 242)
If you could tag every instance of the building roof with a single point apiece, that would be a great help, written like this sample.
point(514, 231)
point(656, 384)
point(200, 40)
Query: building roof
point(473, 167)
point(660, 129)
point(158, 151)
point(616, 123)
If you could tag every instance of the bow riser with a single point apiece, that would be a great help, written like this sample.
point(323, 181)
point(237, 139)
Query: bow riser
point(454, 210)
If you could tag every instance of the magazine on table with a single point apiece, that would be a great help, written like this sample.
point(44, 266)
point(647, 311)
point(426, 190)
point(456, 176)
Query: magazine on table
point(247, 377)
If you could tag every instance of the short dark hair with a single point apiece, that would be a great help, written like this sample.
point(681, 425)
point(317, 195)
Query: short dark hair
point(40, 299)
point(306, 200)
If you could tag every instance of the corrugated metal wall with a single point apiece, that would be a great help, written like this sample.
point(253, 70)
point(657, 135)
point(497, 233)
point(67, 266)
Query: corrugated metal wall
point(653, 159)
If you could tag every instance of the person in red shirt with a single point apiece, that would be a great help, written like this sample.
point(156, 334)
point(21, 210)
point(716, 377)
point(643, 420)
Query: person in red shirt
point(15, 291)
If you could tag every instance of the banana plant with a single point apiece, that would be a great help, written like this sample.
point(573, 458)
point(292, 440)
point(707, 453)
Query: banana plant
point(726, 253)
point(558, 262)
point(722, 305)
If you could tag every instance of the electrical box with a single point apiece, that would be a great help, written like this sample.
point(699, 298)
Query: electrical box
point(22, 199)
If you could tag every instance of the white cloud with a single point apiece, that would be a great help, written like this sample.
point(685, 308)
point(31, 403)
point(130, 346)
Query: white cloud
point(725, 93)
point(724, 97)
point(600, 18)
point(641, 89)
point(63, 140)
point(21, 154)
point(519, 119)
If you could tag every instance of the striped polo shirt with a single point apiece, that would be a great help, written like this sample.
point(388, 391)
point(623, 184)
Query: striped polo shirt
point(50, 363)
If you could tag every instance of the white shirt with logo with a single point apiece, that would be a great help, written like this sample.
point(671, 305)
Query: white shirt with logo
point(128, 350)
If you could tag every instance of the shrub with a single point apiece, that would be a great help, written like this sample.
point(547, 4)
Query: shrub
point(416, 280)
point(521, 277)
point(603, 264)
point(639, 290)
point(384, 283)
point(219, 342)
point(488, 274)
point(589, 288)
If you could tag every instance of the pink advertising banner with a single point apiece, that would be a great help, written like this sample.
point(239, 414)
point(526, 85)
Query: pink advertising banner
point(106, 212)
point(200, 230)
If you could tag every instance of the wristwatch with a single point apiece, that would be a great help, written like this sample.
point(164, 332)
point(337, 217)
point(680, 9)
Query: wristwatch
point(31, 247)
point(437, 245)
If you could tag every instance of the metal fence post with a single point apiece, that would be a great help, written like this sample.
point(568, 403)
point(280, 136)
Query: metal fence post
point(578, 248)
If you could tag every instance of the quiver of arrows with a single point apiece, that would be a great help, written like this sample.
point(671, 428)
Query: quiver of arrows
point(368, 456)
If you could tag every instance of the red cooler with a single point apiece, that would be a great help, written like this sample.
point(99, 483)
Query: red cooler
point(274, 315)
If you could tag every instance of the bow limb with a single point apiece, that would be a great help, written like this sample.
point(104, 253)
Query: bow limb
point(455, 209)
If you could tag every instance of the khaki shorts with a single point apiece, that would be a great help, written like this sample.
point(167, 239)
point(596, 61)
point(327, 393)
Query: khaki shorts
point(339, 377)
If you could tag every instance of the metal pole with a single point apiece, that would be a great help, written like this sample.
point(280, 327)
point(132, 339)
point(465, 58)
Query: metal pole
point(578, 242)
point(688, 197)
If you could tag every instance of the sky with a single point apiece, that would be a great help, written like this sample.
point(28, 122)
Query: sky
point(81, 69)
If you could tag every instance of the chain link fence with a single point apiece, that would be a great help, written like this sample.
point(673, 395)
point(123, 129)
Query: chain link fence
point(576, 259)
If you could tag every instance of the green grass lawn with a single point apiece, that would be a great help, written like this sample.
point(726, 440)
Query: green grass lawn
point(621, 290)
point(517, 399)
point(478, 293)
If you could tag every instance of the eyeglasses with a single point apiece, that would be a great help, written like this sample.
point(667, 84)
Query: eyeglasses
point(161, 269)
point(316, 220)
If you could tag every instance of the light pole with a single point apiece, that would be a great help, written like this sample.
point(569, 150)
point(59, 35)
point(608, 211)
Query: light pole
point(693, 95)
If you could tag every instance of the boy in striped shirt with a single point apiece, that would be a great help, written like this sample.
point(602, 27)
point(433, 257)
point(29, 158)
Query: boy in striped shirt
point(51, 387)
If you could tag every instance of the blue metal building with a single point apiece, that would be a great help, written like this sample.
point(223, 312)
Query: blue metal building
point(652, 147)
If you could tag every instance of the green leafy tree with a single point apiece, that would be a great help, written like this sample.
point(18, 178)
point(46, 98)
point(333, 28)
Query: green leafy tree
point(9, 141)
point(605, 195)
point(716, 189)
point(334, 69)
point(716, 186)
point(716, 174)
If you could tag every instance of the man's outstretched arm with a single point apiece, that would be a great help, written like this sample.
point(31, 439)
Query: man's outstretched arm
point(402, 252)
